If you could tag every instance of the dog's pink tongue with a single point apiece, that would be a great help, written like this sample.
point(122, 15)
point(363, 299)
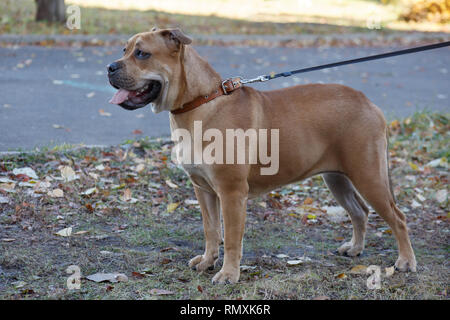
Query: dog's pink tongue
point(120, 96)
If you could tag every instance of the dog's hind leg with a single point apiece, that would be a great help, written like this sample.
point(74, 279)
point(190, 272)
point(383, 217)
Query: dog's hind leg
point(374, 186)
point(209, 204)
point(345, 194)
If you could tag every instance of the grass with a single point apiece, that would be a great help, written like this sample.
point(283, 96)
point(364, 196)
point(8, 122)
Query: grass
point(152, 244)
point(217, 17)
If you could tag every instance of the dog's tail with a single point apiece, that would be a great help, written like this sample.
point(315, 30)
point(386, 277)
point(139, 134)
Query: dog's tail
point(388, 166)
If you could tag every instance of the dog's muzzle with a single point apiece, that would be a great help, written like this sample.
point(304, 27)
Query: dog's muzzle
point(132, 99)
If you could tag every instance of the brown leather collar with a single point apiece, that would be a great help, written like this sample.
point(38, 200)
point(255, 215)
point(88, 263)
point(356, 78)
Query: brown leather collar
point(227, 87)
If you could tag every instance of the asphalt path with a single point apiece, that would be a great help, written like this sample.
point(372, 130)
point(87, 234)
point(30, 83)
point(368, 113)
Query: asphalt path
point(50, 96)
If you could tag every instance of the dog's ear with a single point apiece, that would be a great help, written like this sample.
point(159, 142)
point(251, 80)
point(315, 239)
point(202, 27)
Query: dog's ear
point(175, 38)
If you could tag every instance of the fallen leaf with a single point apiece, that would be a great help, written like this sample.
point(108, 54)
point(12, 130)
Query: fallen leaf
point(341, 276)
point(19, 284)
point(262, 204)
point(68, 174)
point(26, 171)
point(336, 214)
point(100, 167)
point(64, 232)
point(8, 187)
point(42, 187)
point(56, 193)
point(160, 292)
point(22, 177)
point(89, 191)
point(4, 199)
point(8, 239)
point(420, 197)
point(93, 175)
point(110, 277)
point(171, 184)
point(282, 255)
point(389, 271)
point(103, 113)
point(294, 262)
point(441, 196)
point(191, 202)
point(126, 196)
point(89, 207)
point(80, 232)
point(308, 201)
point(30, 184)
point(138, 275)
point(121, 277)
point(172, 206)
point(415, 204)
point(139, 168)
point(358, 269)
point(441, 162)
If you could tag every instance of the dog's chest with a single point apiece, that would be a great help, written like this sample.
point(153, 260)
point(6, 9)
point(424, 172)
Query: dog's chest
point(198, 176)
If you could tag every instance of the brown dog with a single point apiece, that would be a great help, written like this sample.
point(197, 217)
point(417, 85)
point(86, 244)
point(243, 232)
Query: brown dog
point(329, 129)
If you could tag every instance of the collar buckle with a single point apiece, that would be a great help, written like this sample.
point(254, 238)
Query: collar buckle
point(231, 84)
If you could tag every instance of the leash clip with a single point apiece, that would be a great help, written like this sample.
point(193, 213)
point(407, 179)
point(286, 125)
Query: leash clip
point(257, 79)
point(236, 82)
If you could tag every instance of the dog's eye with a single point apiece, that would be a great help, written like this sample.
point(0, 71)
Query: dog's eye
point(141, 54)
point(124, 49)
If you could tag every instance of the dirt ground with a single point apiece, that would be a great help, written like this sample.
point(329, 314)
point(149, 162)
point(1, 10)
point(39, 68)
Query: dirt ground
point(132, 211)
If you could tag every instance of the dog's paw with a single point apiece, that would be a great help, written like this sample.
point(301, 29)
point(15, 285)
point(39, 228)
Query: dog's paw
point(226, 277)
point(350, 249)
point(405, 264)
point(202, 263)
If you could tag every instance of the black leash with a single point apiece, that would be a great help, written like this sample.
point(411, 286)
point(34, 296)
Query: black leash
point(352, 61)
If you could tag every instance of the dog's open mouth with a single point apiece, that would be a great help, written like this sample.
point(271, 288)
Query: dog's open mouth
point(131, 100)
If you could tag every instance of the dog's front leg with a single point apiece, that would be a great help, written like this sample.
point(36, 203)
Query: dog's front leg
point(233, 203)
point(209, 205)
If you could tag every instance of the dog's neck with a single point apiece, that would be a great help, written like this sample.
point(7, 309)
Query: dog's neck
point(199, 77)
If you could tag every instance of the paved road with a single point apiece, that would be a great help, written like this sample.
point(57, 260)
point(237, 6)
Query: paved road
point(51, 96)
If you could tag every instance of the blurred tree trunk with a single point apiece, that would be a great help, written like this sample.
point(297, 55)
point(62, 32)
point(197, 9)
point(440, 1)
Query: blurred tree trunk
point(51, 10)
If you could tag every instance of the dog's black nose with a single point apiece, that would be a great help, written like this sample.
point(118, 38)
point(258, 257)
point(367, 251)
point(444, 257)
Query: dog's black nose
point(113, 67)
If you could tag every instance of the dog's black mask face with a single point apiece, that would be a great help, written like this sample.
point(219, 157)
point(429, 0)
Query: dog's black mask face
point(126, 97)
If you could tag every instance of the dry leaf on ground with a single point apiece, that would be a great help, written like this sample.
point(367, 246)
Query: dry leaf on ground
point(172, 206)
point(26, 171)
point(56, 193)
point(160, 292)
point(110, 277)
point(68, 174)
point(65, 232)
